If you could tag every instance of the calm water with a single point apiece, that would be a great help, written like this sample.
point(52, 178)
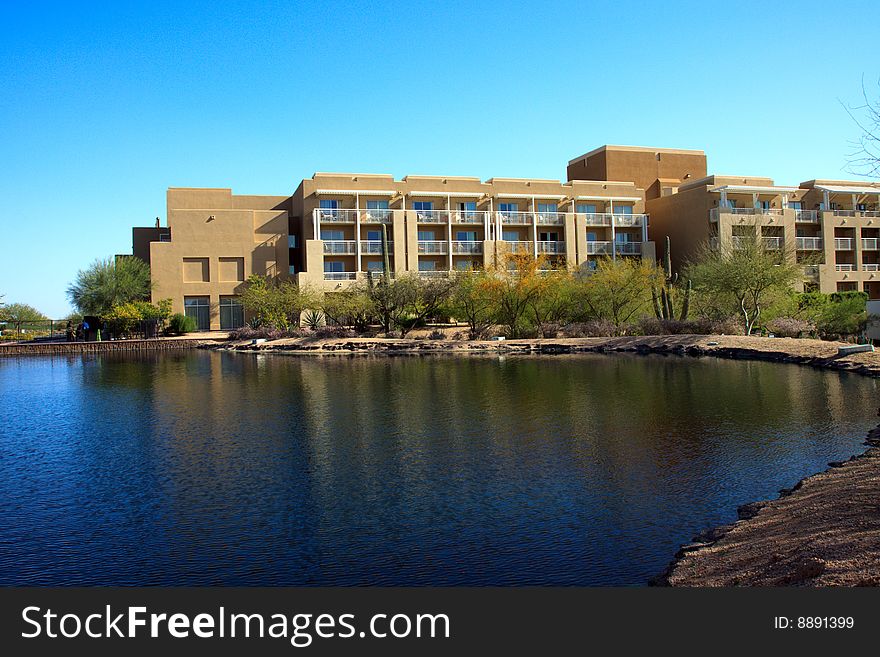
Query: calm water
point(208, 468)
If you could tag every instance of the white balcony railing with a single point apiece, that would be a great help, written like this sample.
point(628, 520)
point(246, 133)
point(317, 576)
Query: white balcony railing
point(433, 273)
point(377, 216)
point(871, 266)
point(467, 247)
point(469, 216)
point(628, 248)
point(871, 243)
point(773, 243)
point(550, 218)
point(519, 247)
point(628, 220)
point(843, 244)
point(515, 218)
point(551, 247)
point(806, 216)
point(714, 212)
point(598, 218)
point(433, 247)
point(336, 215)
point(374, 247)
point(340, 247)
point(844, 213)
point(598, 248)
point(845, 267)
point(869, 213)
point(340, 275)
point(809, 243)
point(432, 216)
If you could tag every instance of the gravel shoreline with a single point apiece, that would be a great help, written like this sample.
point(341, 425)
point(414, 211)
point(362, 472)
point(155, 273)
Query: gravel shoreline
point(824, 531)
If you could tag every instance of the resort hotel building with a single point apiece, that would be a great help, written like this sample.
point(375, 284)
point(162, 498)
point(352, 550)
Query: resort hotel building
point(617, 202)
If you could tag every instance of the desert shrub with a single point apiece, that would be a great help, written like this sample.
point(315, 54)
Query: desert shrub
point(331, 332)
point(266, 332)
point(178, 324)
point(594, 328)
point(436, 334)
point(699, 326)
point(791, 327)
point(313, 319)
point(549, 330)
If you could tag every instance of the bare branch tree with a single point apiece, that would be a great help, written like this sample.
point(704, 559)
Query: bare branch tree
point(864, 159)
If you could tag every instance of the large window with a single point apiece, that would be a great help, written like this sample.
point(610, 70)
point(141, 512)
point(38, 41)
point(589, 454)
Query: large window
point(510, 236)
point(231, 313)
point(426, 236)
point(200, 310)
point(377, 205)
point(374, 235)
point(332, 235)
point(508, 207)
point(547, 207)
point(329, 204)
point(427, 265)
point(468, 206)
point(623, 209)
point(466, 236)
point(334, 266)
point(548, 237)
point(423, 205)
point(586, 208)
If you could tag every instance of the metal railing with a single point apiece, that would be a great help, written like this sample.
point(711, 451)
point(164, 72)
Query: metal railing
point(550, 218)
point(845, 267)
point(773, 243)
point(806, 216)
point(871, 243)
point(336, 215)
point(340, 275)
point(467, 247)
point(377, 216)
point(871, 266)
point(437, 273)
point(515, 218)
point(844, 213)
point(519, 247)
point(469, 216)
point(340, 247)
point(628, 220)
point(377, 274)
point(432, 216)
point(598, 248)
point(375, 246)
point(551, 247)
point(843, 244)
point(435, 247)
point(597, 218)
point(809, 243)
point(628, 248)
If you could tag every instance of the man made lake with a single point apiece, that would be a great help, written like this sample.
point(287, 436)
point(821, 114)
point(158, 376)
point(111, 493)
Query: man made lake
point(203, 468)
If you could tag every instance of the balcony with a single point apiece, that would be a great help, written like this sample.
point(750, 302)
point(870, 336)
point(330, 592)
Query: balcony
point(515, 218)
point(871, 266)
point(806, 216)
point(432, 216)
point(377, 274)
point(336, 216)
point(436, 273)
point(598, 248)
point(760, 212)
point(843, 244)
point(846, 267)
point(374, 247)
point(467, 247)
point(811, 271)
point(844, 213)
point(774, 243)
point(340, 247)
point(870, 243)
point(377, 216)
point(519, 247)
point(469, 217)
point(809, 243)
point(551, 247)
point(550, 218)
point(340, 275)
point(628, 248)
point(629, 220)
point(598, 218)
point(433, 247)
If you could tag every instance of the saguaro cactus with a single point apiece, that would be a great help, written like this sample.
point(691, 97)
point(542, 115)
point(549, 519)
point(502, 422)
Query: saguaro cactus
point(664, 306)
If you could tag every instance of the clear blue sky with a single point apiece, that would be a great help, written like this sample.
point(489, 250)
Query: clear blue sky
point(104, 107)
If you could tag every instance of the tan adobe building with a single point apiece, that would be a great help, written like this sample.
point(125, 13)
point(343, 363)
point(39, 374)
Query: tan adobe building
point(328, 233)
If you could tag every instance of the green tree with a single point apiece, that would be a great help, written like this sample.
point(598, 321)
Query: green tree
point(419, 299)
point(555, 305)
point(745, 272)
point(513, 288)
point(21, 312)
point(110, 282)
point(618, 291)
point(470, 300)
point(276, 303)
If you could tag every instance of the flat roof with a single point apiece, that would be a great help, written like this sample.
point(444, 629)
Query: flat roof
point(643, 149)
point(848, 189)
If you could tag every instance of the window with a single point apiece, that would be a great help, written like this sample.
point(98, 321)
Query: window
point(623, 209)
point(465, 265)
point(586, 208)
point(861, 207)
point(291, 241)
point(231, 313)
point(466, 236)
point(377, 205)
point(374, 235)
point(199, 309)
point(427, 265)
point(333, 265)
point(328, 204)
point(332, 235)
point(591, 236)
point(547, 207)
point(763, 205)
point(510, 236)
point(375, 265)
point(468, 206)
point(291, 270)
point(508, 207)
point(423, 205)
point(548, 237)
point(796, 205)
point(623, 238)
point(426, 236)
